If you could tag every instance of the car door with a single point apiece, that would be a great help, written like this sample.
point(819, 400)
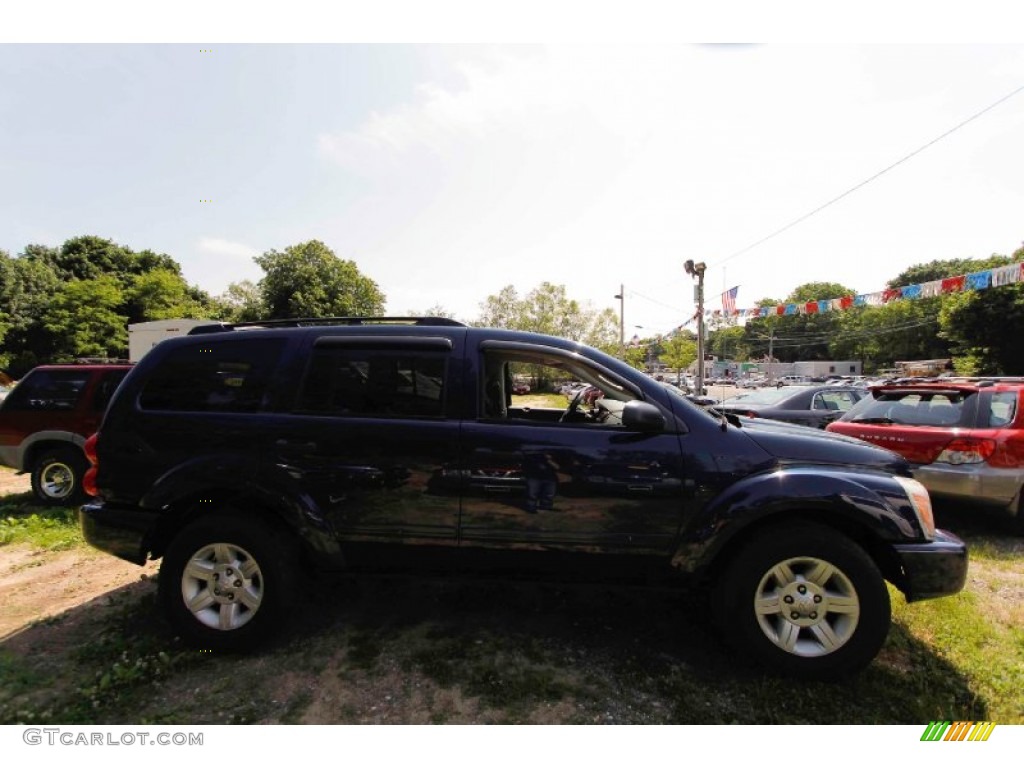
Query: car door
point(538, 473)
point(370, 437)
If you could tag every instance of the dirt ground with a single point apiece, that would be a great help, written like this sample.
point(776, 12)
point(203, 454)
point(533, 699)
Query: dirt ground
point(35, 586)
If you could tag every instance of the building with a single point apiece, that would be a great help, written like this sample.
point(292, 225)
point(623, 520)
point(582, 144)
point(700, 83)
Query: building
point(142, 337)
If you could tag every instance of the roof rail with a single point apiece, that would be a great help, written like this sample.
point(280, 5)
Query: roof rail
point(303, 322)
point(988, 379)
point(100, 361)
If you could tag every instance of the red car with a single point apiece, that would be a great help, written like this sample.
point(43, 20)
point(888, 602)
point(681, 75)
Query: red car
point(46, 419)
point(964, 438)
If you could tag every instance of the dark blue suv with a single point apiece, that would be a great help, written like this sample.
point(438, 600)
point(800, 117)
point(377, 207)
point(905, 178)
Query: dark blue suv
point(249, 456)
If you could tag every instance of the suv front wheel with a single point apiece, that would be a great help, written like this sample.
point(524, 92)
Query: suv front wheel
point(57, 477)
point(225, 582)
point(805, 601)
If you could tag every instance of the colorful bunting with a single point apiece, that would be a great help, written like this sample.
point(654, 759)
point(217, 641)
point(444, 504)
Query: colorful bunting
point(974, 281)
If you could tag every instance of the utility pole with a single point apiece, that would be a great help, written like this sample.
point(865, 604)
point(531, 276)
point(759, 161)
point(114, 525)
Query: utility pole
point(621, 296)
point(771, 355)
point(697, 271)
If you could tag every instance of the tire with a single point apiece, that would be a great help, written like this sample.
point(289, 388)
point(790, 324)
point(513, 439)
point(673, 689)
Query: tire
point(804, 601)
point(57, 477)
point(226, 582)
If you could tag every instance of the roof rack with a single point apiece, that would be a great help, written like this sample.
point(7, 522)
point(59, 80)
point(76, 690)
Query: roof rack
point(304, 322)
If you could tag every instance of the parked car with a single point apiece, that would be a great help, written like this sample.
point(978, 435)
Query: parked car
point(45, 420)
point(245, 459)
point(812, 406)
point(964, 439)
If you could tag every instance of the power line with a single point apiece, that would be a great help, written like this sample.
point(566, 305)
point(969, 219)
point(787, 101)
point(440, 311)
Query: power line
point(853, 189)
point(816, 339)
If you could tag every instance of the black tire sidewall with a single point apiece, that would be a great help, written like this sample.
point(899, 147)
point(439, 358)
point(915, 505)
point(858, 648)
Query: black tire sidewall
point(735, 595)
point(273, 554)
point(71, 458)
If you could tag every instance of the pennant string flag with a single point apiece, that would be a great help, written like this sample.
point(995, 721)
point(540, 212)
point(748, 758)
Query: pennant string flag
point(974, 281)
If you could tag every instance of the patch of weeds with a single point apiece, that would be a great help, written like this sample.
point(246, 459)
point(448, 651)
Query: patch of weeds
point(364, 648)
point(17, 677)
point(49, 528)
point(295, 708)
point(509, 672)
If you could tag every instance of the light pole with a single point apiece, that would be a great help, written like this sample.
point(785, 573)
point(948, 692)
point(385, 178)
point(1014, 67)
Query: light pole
point(697, 271)
point(621, 296)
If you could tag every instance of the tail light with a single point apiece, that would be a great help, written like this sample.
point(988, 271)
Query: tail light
point(966, 450)
point(89, 480)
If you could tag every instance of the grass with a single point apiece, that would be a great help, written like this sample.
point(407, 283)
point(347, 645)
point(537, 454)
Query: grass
point(420, 651)
point(46, 528)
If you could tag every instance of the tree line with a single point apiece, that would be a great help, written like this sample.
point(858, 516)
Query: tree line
point(60, 304)
point(979, 330)
point(76, 300)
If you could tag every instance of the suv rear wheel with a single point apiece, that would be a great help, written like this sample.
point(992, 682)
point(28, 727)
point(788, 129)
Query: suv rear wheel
point(57, 477)
point(225, 582)
point(806, 602)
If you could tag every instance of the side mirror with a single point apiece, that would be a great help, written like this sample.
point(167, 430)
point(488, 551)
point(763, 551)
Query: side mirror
point(642, 417)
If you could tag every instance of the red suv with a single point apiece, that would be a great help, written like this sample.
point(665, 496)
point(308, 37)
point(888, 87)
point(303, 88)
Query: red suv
point(45, 420)
point(964, 438)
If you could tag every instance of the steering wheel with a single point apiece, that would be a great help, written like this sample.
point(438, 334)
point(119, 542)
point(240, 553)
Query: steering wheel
point(573, 407)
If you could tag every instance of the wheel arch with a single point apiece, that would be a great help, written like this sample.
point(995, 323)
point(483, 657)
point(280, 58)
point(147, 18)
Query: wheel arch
point(286, 516)
point(884, 557)
point(41, 442)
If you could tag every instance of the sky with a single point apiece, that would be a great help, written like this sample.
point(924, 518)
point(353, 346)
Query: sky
point(448, 171)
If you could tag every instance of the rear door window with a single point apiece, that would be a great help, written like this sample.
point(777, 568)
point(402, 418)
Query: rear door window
point(374, 382)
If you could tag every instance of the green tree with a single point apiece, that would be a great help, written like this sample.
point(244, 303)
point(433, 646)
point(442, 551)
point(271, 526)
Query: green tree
point(798, 336)
point(636, 356)
point(27, 285)
point(309, 280)
point(680, 351)
point(435, 311)
point(548, 309)
point(242, 302)
point(84, 322)
point(984, 328)
point(161, 294)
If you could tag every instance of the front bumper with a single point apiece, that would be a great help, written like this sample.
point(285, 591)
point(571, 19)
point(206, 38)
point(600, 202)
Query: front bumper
point(124, 533)
point(933, 569)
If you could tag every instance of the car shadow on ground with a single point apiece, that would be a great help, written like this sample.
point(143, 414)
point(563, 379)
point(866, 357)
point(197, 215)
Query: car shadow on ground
point(406, 650)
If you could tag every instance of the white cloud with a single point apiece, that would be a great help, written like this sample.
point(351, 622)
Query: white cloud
point(220, 247)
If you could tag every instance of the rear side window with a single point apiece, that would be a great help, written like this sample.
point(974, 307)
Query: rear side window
point(48, 391)
point(1003, 409)
point(223, 376)
point(363, 382)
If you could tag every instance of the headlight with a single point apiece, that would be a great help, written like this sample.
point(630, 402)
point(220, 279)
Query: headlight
point(922, 504)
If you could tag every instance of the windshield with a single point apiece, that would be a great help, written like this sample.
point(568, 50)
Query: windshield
point(766, 396)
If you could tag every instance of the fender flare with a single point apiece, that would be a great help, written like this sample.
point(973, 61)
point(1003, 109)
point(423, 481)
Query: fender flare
point(872, 503)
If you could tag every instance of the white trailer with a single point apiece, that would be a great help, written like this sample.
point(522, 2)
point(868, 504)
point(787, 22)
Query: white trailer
point(142, 337)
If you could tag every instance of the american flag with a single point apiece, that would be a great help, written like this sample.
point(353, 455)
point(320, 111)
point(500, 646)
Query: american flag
point(729, 300)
